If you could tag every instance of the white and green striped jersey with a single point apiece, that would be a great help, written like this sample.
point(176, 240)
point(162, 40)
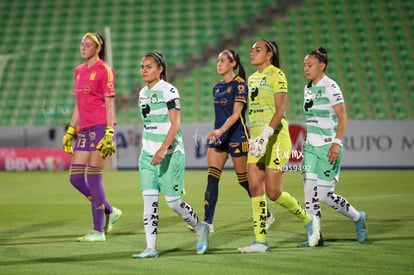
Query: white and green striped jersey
point(155, 105)
point(321, 120)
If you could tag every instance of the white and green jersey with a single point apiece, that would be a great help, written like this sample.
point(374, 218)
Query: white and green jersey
point(155, 105)
point(321, 120)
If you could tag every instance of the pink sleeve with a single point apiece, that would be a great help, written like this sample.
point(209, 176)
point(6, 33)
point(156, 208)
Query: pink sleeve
point(108, 81)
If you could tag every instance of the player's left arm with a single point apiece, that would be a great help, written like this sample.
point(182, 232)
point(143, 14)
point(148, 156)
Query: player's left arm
point(280, 103)
point(280, 98)
point(174, 113)
point(110, 110)
point(334, 151)
point(237, 110)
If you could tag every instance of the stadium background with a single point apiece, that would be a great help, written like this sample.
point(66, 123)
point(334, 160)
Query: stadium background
point(369, 45)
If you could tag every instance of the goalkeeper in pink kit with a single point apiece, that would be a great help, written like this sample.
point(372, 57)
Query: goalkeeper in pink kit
point(94, 115)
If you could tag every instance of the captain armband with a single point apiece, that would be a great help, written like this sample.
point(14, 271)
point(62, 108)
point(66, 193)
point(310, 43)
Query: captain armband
point(174, 104)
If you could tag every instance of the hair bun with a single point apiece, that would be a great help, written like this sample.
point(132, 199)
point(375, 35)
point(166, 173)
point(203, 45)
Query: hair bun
point(322, 50)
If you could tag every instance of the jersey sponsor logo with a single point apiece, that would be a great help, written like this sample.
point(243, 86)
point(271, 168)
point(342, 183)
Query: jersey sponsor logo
point(145, 109)
point(254, 93)
point(312, 121)
point(255, 111)
point(150, 127)
point(223, 101)
point(86, 90)
point(308, 104)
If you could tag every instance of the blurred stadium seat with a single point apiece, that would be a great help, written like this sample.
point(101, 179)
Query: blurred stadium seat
point(369, 45)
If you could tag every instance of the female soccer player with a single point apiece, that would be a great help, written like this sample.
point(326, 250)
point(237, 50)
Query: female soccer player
point(162, 160)
point(326, 121)
point(95, 117)
point(269, 150)
point(230, 134)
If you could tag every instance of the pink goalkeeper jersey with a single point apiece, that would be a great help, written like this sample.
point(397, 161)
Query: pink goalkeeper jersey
point(92, 85)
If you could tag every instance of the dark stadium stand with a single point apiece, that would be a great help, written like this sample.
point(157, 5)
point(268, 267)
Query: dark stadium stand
point(369, 45)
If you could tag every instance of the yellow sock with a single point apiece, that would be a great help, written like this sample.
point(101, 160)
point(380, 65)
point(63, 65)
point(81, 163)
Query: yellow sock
point(293, 206)
point(259, 217)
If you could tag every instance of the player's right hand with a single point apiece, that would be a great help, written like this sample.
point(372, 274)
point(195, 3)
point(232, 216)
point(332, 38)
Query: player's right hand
point(257, 146)
point(68, 139)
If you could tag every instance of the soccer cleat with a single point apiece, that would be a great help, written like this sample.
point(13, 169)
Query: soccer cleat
point(93, 236)
point(147, 253)
point(210, 227)
point(313, 231)
point(202, 239)
point(255, 247)
point(111, 219)
point(306, 244)
point(270, 220)
point(362, 227)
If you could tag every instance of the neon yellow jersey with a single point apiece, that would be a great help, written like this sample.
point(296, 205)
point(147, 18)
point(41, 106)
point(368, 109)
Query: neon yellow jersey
point(262, 89)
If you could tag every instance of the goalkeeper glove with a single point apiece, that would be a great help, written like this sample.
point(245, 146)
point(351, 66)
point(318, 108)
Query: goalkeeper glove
point(106, 145)
point(257, 146)
point(67, 140)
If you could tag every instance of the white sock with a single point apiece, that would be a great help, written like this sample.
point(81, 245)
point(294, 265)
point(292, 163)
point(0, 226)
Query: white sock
point(185, 211)
point(150, 217)
point(340, 204)
point(312, 205)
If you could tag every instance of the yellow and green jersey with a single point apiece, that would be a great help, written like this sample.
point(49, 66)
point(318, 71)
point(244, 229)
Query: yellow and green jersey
point(262, 89)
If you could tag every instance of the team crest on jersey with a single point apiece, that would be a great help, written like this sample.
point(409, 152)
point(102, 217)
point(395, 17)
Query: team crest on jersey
point(229, 89)
point(92, 135)
point(92, 75)
point(318, 94)
point(241, 89)
point(154, 98)
point(263, 81)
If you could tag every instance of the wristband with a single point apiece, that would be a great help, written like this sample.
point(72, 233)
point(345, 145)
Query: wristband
point(337, 141)
point(267, 131)
point(70, 130)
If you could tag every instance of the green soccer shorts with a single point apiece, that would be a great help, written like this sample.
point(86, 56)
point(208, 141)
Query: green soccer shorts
point(315, 160)
point(167, 177)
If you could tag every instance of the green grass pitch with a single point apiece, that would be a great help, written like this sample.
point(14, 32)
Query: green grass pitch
point(41, 215)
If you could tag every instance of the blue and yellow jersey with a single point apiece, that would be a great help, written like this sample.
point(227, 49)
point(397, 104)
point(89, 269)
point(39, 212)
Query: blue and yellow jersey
point(262, 89)
point(224, 96)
